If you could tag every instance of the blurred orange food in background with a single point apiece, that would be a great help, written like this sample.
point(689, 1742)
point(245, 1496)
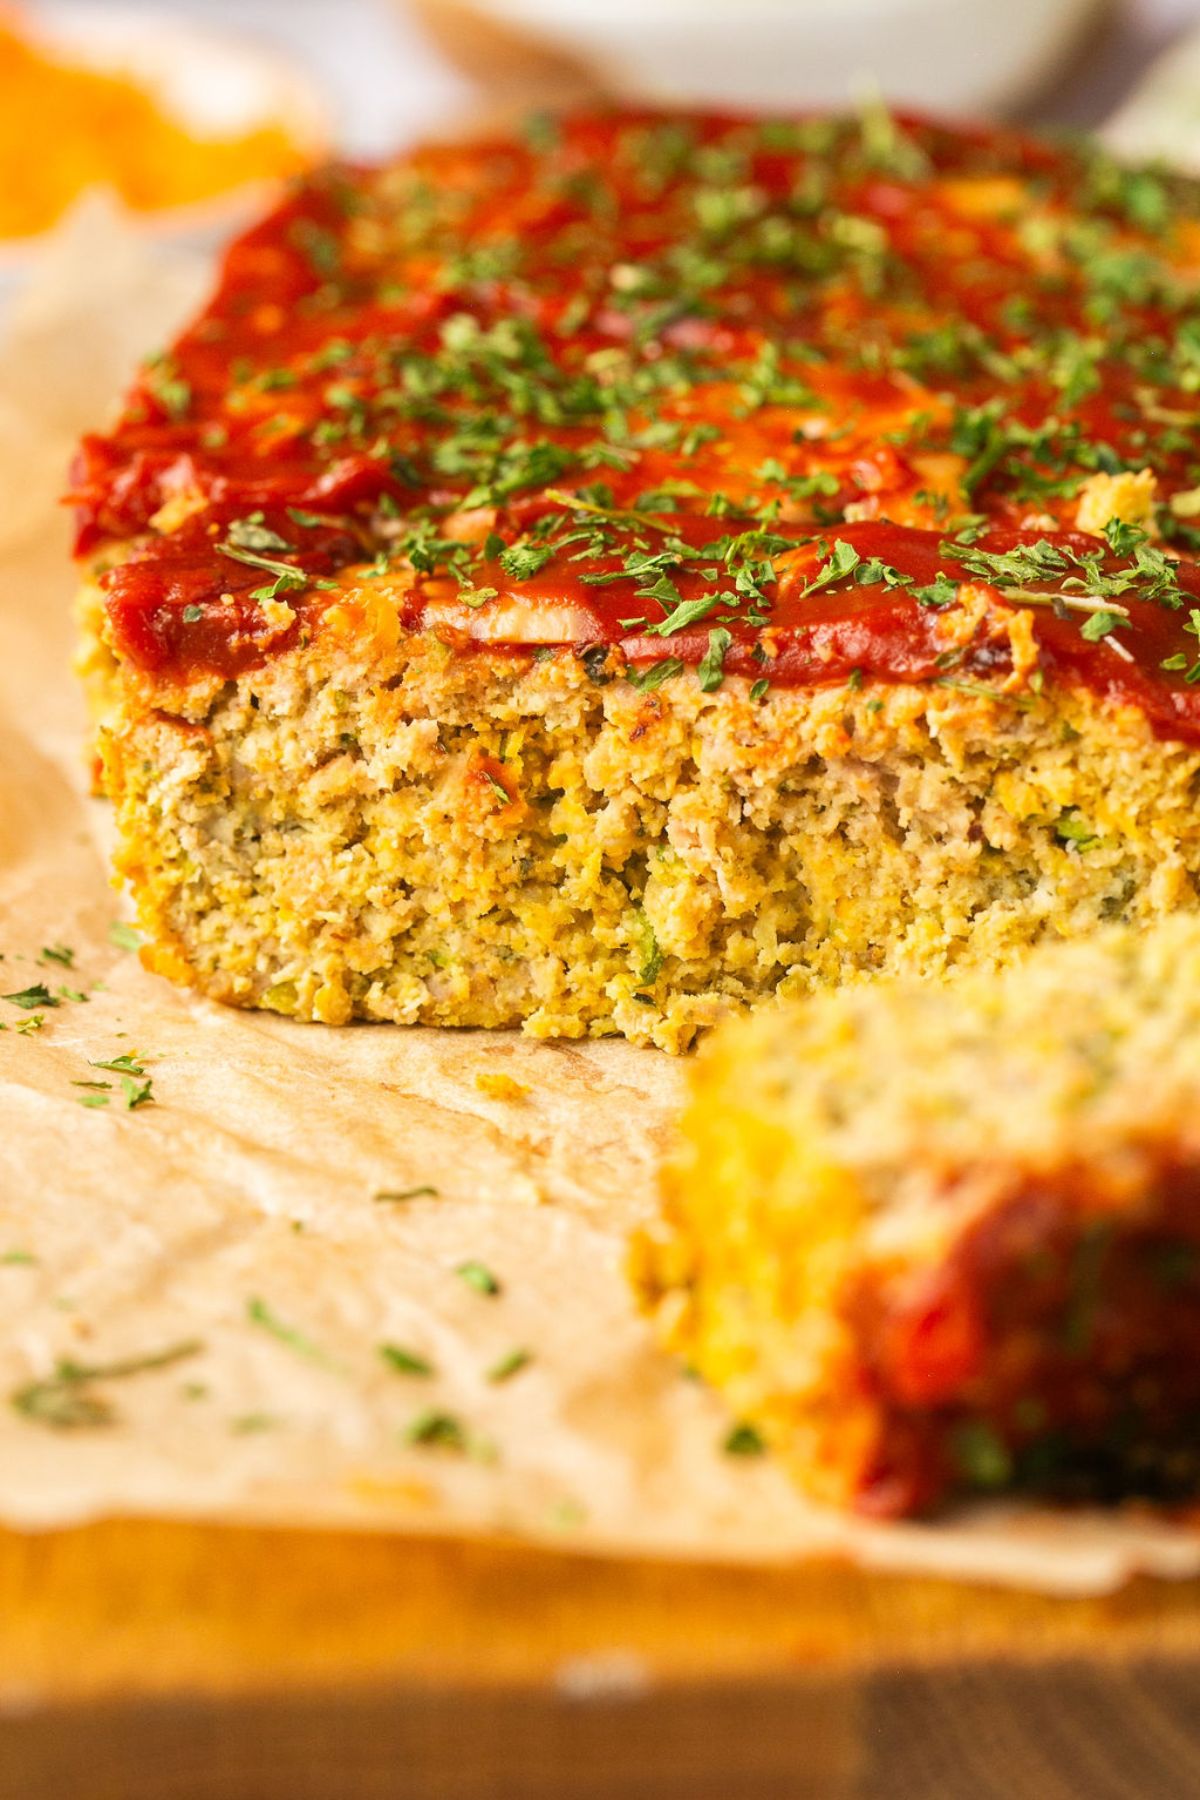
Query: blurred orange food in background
point(66, 126)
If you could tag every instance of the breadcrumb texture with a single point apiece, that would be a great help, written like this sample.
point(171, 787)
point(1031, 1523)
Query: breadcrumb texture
point(384, 825)
point(939, 1237)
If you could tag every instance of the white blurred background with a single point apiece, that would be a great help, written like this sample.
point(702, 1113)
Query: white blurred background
point(1069, 61)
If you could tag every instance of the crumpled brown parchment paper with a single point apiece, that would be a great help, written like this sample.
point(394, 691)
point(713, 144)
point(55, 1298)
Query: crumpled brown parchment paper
point(229, 1231)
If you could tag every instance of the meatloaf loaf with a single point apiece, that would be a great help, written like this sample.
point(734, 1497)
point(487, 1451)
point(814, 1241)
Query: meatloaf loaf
point(595, 578)
point(943, 1238)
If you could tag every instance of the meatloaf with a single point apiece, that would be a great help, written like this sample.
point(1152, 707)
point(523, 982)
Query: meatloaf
point(933, 1239)
point(598, 577)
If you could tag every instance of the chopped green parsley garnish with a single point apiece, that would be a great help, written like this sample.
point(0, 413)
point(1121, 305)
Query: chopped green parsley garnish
point(126, 1064)
point(744, 1440)
point(167, 386)
point(711, 670)
point(28, 999)
point(982, 1457)
point(251, 534)
point(250, 1424)
point(523, 561)
point(287, 577)
point(405, 1362)
point(1098, 624)
point(67, 1400)
point(653, 677)
point(510, 1364)
point(478, 1276)
point(264, 1316)
point(437, 1428)
point(137, 1093)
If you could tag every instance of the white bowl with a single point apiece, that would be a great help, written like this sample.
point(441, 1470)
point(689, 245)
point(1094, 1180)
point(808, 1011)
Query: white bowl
point(1160, 120)
point(947, 56)
point(214, 84)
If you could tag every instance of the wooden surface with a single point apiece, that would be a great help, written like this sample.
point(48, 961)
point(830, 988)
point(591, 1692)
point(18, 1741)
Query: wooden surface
point(149, 1661)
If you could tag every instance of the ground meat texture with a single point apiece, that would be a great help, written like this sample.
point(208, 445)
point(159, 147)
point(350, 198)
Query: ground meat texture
point(935, 1240)
point(384, 828)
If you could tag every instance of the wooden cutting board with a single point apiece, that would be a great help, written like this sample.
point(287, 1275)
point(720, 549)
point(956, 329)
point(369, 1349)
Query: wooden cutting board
point(154, 1661)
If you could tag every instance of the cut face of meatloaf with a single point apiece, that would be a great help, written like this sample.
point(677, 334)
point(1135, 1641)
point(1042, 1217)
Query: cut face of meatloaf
point(595, 579)
point(934, 1239)
point(391, 830)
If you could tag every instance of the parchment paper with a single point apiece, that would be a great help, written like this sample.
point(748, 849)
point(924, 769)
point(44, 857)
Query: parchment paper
point(233, 1216)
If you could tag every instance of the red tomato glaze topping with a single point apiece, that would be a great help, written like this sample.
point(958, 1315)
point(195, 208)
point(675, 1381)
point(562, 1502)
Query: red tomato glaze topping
point(784, 399)
point(1058, 1349)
